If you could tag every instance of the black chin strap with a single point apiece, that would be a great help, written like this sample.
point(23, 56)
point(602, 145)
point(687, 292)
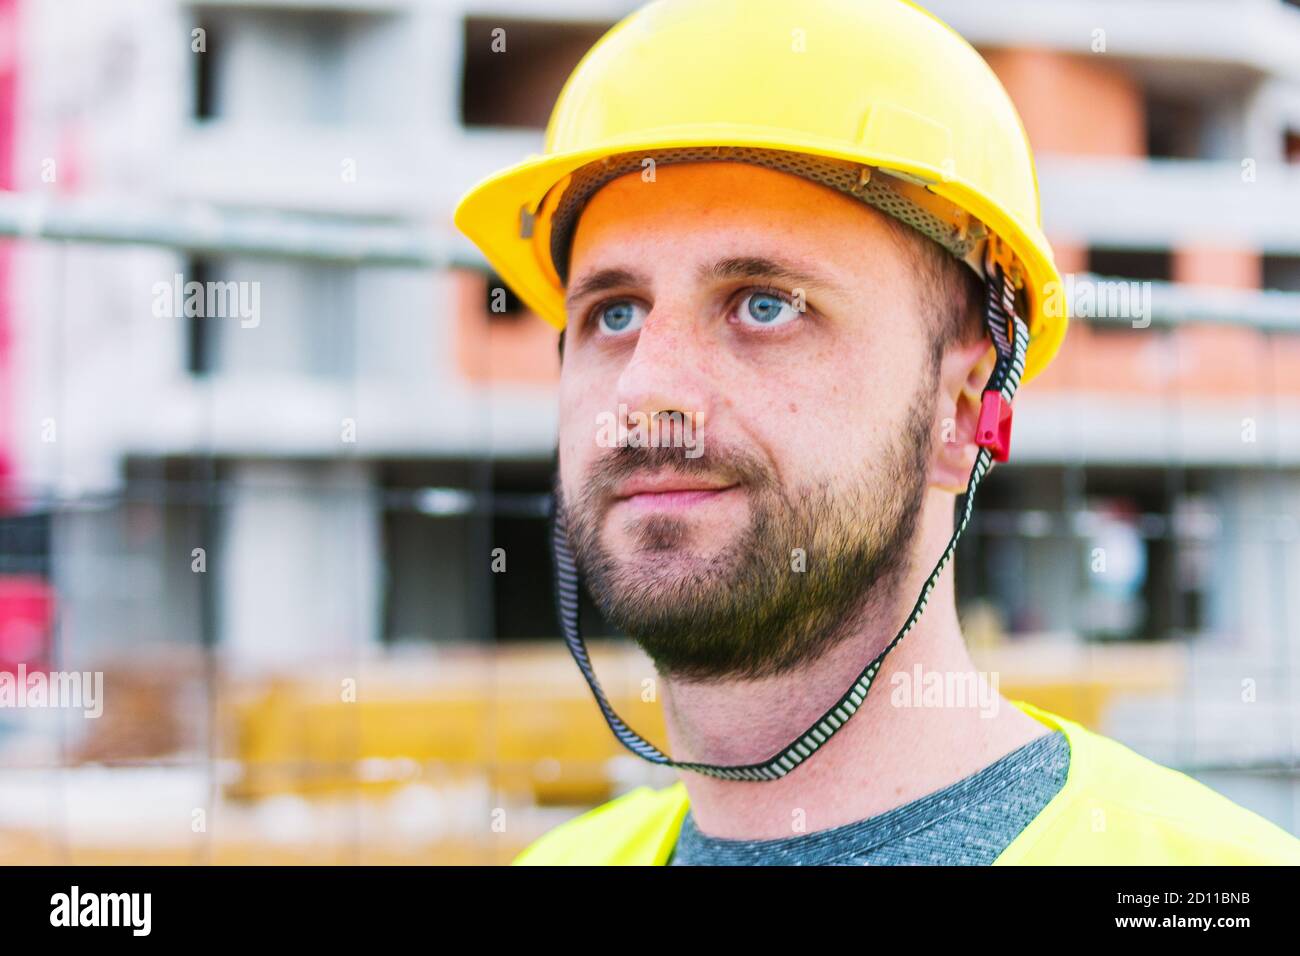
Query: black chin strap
point(1010, 339)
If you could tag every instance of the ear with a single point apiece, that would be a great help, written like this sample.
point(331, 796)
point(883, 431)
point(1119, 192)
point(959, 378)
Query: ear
point(964, 372)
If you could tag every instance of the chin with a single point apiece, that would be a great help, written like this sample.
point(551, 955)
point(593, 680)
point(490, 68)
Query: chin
point(665, 554)
point(651, 537)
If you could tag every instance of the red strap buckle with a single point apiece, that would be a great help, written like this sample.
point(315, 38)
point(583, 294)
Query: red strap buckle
point(994, 428)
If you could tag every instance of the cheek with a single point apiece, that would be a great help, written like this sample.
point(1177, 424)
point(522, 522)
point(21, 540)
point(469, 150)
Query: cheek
point(820, 417)
point(579, 405)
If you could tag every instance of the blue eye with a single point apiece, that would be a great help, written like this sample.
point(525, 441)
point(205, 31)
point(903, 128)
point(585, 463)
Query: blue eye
point(766, 309)
point(618, 318)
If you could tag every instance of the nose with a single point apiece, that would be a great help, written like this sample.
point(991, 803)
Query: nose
point(665, 372)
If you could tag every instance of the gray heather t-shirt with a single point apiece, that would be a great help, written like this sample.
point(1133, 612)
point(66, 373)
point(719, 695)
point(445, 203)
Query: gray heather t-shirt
point(968, 823)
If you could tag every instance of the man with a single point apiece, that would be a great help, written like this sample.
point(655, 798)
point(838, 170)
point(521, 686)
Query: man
point(806, 237)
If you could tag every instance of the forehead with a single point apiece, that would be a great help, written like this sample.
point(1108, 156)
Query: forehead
point(704, 203)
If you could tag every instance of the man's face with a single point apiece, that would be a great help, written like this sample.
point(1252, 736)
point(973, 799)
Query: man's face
point(780, 320)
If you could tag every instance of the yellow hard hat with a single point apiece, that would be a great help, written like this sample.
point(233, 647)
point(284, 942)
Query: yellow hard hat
point(876, 98)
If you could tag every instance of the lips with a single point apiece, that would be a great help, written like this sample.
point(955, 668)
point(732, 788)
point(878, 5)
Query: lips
point(667, 484)
point(669, 491)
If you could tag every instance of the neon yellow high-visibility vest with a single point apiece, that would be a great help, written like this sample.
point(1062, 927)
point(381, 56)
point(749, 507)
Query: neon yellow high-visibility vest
point(1116, 808)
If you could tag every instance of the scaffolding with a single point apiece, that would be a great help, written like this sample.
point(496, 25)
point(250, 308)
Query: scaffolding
point(360, 754)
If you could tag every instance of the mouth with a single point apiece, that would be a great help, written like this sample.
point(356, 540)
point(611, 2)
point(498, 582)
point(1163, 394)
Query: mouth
point(670, 493)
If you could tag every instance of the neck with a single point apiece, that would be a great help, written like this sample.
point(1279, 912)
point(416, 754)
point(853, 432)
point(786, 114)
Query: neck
point(904, 742)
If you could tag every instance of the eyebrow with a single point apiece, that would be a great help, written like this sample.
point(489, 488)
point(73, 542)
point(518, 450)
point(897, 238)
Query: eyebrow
point(758, 267)
point(732, 267)
point(603, 279)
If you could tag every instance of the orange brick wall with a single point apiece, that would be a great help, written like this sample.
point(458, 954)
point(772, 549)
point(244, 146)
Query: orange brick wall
point(519, 348)
point(1073, 104)
point(1209, 266)
point(1198, 360)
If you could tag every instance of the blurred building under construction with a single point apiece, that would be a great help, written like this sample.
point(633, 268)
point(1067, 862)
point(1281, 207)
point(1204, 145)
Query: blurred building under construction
point(274, 529)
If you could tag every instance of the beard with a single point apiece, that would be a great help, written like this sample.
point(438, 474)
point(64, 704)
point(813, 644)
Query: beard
point(815, 564)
